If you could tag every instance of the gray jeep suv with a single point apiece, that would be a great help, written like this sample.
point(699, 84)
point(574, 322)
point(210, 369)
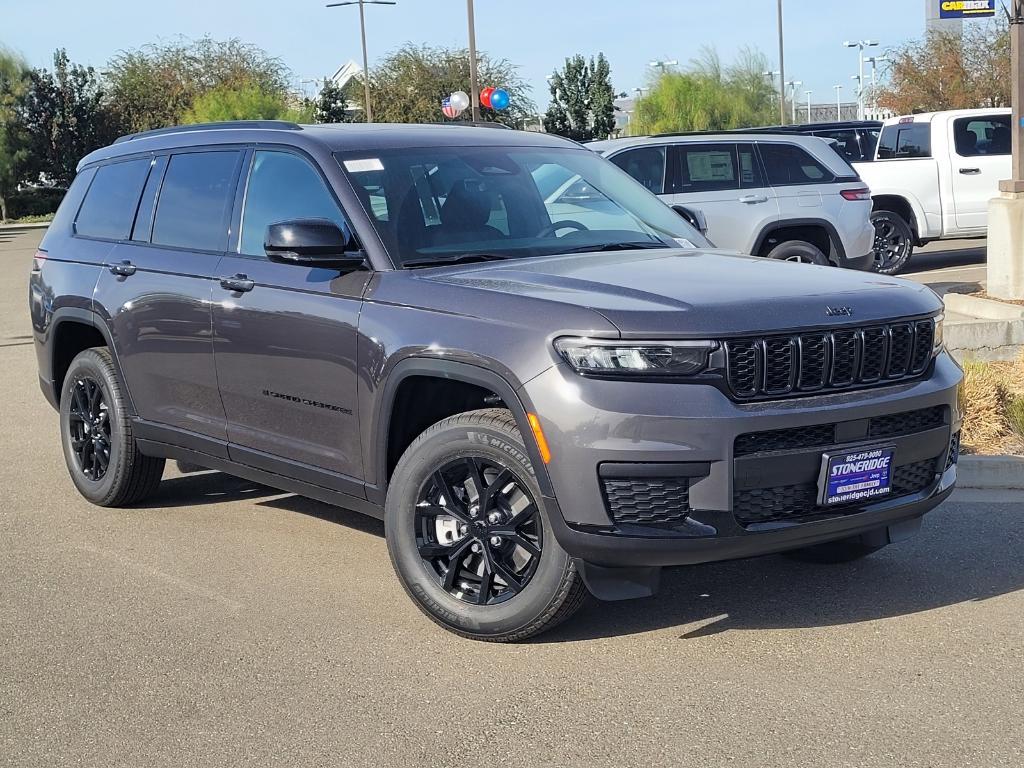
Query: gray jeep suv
point(540, 396)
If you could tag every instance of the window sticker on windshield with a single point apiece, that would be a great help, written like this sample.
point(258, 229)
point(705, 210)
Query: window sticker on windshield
point(364, 164)
point(683, 242)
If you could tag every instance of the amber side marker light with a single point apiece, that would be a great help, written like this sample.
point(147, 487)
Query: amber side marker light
point(538, 435)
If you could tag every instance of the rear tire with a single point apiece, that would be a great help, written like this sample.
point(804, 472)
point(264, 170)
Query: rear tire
point(894, 242)
point(834, 552)
point(484, 565)
point(799, 251)
point(96, 433)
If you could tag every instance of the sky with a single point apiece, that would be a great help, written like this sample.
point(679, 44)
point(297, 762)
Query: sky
point(536, 35)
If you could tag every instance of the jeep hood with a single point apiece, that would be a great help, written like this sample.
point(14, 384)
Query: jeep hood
point(674, 292)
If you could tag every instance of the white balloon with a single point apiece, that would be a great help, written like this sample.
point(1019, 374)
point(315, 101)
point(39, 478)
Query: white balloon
point(459, 100)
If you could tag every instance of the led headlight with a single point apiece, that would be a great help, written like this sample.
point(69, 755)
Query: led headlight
point(653, 358)
point(937, 337)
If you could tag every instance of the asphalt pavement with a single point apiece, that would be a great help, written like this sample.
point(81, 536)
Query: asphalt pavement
point(223, 623)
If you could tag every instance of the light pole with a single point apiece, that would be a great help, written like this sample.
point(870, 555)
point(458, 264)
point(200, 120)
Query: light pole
point(808, 95)
point(474, 85)
point(771, 74)
point(792, 96)
point(873, 60)
point(860, 45)
point(782, 70)
point(362, 33)
point(661, 66)
point(839, 103)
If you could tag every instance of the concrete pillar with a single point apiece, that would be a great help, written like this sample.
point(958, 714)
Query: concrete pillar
point(1006, 246)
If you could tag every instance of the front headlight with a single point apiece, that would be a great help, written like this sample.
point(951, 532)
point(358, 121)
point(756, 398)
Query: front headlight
point(652, 358)
point(937, 337)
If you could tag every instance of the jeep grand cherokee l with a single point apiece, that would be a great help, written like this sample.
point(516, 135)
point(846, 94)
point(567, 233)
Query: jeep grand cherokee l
point(540, 399)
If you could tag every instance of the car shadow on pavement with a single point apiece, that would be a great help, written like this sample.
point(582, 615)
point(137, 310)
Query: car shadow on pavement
point(328, 513)
point(959, 556)
point(204, 488)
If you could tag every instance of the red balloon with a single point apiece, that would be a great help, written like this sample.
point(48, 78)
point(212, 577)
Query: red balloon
point(485, 96)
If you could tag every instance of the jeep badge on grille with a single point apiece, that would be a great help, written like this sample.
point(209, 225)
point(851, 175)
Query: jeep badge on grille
point(839, 311)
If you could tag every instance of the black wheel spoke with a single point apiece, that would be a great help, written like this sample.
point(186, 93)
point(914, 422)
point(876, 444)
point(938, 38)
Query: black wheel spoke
point(477, 476)
point(455, 564)
point(89, 428)
point(453, 505)
point(526, 544)
point(503, 479)
point(486, 582)
point(510, 579)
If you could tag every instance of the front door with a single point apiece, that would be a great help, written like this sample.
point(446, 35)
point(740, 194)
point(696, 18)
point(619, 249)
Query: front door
point(285, 345)
point(980, 158)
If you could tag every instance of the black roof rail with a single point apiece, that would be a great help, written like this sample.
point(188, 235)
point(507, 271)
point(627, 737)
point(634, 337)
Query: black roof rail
point(473, 124)
point(281, 125)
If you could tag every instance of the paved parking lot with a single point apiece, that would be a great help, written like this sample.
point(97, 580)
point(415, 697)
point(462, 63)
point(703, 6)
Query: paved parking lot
point(228, 624)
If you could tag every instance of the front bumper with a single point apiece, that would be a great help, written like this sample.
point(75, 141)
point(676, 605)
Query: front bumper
point(692, 430)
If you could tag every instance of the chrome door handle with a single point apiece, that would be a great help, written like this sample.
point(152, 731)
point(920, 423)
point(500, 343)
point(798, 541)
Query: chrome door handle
point(238, 283)
point(124, 269)
point(750, 199)
point(970, 171)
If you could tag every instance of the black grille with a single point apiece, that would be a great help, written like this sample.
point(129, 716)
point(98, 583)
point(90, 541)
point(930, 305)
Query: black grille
point(908, 423)
point(954, 450)
point(780, 365)
point(821, 435)
point(648, 501)
point(785, 502)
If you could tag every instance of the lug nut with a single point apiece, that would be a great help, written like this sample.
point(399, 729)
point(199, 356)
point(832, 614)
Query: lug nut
point(494, 518)
point(475, 547)
point(495, 541)
point(463, 529)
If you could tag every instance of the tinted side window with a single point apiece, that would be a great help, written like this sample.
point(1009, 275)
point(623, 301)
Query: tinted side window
point(195, 200)
point(144, 218)
point(707, 167)
point(646, 165)
point(905, 141)
point(845, 143)
point(789, 164)
point(282, 186)
point(109, 207)
point(982, 135)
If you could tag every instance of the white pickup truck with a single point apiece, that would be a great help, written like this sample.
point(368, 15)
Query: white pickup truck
point(932, 177)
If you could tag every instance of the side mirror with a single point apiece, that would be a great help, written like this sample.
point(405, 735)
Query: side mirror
point(312, 243)
point(695, 218)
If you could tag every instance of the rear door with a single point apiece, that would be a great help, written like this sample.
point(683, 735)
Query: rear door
point(980, 158)
point(158, 288)
point(286, 345)
point(724, 180)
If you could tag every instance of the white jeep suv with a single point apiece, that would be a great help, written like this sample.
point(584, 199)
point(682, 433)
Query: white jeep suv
point(781, 196)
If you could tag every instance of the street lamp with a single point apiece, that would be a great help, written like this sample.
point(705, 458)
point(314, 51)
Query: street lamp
point(808, 95)
point(362, 32)
point(662, 65)
point(792, 95)
point(839, 103)
point(860, 45)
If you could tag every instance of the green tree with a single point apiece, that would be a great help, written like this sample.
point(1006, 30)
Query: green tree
point(331, 104)
point(950, 71)
point(582, 98)
point(13, 151)
point(246, 102)
point(156, 85)
point(410, 83)
point(65, 117)
point(707, 96)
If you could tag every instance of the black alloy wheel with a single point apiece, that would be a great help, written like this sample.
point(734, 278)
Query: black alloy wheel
point(89, 428)
point(478, 530)
point(893, 244)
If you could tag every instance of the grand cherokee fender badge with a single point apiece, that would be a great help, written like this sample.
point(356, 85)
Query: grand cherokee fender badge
point(306, 401)
point(839, 311)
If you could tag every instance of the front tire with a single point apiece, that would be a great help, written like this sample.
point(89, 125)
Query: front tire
point(799, 251)
point(101, 454)
point(894, 242)
point(468, 533)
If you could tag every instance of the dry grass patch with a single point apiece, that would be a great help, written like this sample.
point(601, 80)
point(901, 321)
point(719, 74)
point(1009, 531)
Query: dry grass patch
point(992, 399)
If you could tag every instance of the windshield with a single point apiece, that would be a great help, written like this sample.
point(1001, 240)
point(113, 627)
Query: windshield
point(440, 204)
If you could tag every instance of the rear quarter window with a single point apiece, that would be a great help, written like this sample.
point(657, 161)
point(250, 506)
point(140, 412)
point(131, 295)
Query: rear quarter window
point(787, 164)
point(905, 141)
point(113, 197)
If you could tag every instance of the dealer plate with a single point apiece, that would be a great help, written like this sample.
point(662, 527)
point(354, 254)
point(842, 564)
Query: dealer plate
point(859, 475)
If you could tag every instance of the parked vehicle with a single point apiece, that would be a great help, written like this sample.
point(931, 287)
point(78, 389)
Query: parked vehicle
point(405, 321)
point(853, 139)
point(784, 197)
point(932, 178)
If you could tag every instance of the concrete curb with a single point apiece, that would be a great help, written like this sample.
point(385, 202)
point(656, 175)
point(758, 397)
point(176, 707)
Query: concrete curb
point(983, 309)
point(990, 472)
point(18, 227)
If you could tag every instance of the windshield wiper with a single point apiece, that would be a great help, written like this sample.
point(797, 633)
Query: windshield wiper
point(462, 258)
point(623, 246)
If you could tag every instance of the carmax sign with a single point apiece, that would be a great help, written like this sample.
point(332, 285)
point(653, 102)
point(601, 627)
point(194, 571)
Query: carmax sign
point(961, 9)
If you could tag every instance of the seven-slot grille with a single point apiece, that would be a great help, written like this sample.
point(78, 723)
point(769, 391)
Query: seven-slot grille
point(780, 365)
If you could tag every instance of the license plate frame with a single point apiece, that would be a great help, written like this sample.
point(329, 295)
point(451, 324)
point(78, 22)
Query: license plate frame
point(847, 485)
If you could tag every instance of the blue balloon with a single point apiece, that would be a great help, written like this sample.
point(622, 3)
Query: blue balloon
point(499, 99)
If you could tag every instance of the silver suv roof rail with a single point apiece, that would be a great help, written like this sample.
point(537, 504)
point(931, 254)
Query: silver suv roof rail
point(281, 125)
